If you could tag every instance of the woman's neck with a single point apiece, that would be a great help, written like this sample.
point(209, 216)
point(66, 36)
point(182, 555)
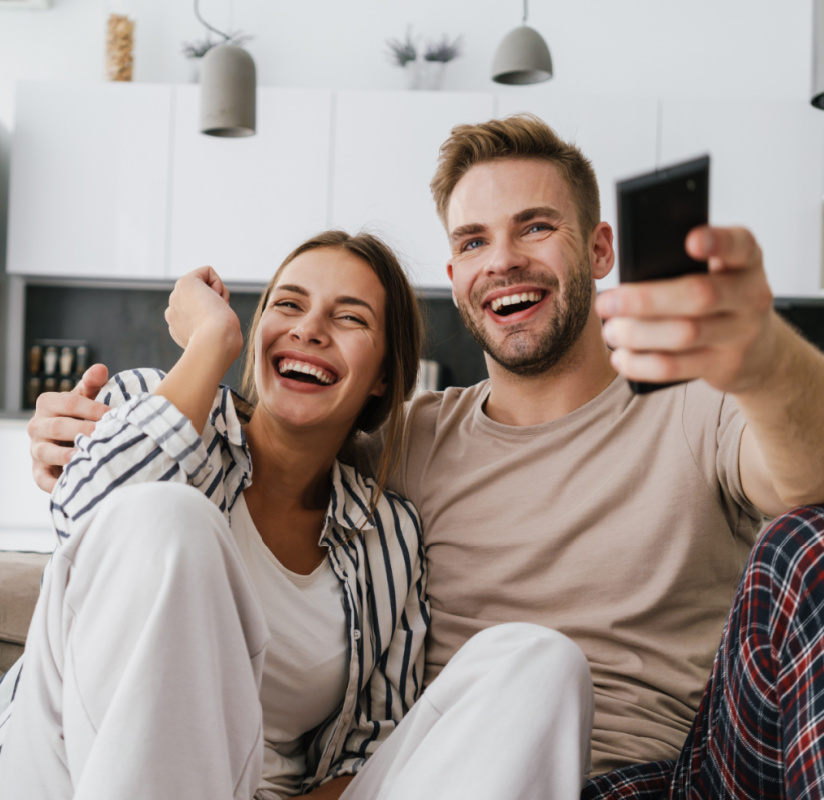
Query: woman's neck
point(290, 468)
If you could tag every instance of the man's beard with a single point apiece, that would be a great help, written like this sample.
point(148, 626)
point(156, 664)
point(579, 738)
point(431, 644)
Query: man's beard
point(538, 353)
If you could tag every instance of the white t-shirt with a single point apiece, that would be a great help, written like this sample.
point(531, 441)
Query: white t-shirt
point(307, 661)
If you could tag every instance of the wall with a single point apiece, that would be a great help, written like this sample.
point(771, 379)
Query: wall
point(704, 48)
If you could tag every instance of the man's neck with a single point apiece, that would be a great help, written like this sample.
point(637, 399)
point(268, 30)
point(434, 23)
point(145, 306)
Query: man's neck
point(531, 400)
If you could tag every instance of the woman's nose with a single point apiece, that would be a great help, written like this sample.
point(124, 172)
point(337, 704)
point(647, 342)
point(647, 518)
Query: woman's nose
point(310, 329)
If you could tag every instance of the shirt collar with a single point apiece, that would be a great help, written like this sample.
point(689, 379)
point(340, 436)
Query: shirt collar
point(348, 504)
point(227, 419)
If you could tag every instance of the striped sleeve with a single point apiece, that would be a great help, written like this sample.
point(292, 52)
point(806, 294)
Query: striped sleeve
point(144, 438)
point(401, 614)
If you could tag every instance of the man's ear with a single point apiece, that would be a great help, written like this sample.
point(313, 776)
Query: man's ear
point(449, 272)
point(601, 251)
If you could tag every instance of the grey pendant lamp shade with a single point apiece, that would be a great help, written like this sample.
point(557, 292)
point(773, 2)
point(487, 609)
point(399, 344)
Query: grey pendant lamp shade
point(818, 54)
point(227, 92)
point(522, 57)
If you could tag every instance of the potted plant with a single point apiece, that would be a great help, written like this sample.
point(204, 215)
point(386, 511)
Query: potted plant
point(426, 71)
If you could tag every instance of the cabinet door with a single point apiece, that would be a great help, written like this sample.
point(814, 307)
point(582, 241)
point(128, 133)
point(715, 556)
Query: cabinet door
point(618, 135)
point(766, 173)
point(89, 180)
point(241, 205)
point(386, 148)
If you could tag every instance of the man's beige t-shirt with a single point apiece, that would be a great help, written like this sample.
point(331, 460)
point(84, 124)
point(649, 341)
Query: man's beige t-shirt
point(623, 525)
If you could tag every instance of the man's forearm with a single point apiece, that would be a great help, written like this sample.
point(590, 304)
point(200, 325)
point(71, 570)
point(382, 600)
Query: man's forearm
point(785, 414)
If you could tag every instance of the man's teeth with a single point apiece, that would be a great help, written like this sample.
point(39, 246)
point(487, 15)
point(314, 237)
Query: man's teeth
point(511, 299)
point(287, 365)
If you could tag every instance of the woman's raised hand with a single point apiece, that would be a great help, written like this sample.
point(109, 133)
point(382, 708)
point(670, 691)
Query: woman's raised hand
point(199, 303)
point(203, 323)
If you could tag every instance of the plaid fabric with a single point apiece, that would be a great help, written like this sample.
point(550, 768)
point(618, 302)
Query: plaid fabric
point(759, 732)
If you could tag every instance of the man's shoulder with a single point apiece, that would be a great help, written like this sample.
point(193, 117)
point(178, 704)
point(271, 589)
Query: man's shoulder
point(427, 410)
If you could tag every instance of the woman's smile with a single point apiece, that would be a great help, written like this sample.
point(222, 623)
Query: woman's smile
point(322, 333)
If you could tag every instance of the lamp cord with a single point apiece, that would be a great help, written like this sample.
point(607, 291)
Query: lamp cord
point(215, 30)
point(525, 12)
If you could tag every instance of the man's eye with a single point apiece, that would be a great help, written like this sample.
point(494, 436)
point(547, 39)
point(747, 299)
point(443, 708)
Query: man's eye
point(472, 244)
point(538, 227)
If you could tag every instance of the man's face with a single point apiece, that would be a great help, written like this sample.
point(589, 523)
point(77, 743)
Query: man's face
point(520, 269)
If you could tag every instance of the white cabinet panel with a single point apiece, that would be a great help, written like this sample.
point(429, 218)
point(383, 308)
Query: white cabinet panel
point(89, 180)
point(241, 205)
point(25, 507)
point(766, 173)
point(618, 135)
point(386, 148)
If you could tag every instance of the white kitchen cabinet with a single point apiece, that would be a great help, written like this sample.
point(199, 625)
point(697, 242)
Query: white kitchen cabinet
point(766, 173)
point(25, 523)
point(385, 150)
point(241, 205)
point(618, 135)
point(89, 178)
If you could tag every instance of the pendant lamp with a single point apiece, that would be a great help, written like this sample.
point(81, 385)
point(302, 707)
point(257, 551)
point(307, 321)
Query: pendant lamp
point(818, 54)
point(227, 89)
point(522, 57)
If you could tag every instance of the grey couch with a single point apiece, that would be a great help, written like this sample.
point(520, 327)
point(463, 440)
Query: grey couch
point(19, 587)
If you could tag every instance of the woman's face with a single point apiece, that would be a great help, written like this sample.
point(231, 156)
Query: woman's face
point(321, 342)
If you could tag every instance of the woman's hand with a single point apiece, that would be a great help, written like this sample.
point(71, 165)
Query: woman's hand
point(199, 305)
point(203, 323)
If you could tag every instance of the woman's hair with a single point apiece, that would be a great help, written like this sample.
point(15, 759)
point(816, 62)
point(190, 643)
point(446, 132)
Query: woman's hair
point(403, 331)
point(518, 136)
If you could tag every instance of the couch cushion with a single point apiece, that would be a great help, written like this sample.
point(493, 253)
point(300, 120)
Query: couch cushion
point(19, 588)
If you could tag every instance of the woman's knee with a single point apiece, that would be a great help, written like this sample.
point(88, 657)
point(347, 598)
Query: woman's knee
point(524, 653)
point(154, 520)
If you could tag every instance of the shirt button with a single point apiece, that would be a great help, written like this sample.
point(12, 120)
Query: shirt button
point(356, 635)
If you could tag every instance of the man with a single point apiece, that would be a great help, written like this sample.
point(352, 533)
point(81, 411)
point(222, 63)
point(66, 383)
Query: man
point(551, 494)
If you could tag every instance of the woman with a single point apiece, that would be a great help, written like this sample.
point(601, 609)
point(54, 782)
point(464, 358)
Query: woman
point(147, 663)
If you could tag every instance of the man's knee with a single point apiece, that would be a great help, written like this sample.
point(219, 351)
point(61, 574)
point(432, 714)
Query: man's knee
point(791, 543)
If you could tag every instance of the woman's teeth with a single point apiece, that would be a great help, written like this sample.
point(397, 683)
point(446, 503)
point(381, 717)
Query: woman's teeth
point(289, 365)
point(515, 299)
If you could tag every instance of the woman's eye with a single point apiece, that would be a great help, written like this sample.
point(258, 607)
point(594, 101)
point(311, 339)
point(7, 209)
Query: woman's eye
point(353, 318)
point(285, 304)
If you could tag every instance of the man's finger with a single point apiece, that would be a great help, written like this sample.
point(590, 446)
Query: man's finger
point(692, 295)
point(64, 404)
point(93, 380)
point(724, 248)
point(45, 477)
point(52, 455)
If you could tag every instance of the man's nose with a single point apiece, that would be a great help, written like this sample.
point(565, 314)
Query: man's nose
point(505, 256)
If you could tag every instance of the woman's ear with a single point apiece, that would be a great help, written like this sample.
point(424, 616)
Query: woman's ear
point(379, 387)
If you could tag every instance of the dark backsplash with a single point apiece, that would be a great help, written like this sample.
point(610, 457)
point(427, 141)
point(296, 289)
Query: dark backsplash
point(125, 328)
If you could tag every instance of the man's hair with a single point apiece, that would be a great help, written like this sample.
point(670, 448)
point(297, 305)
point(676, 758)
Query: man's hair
point(403, 330)
point(518, 136)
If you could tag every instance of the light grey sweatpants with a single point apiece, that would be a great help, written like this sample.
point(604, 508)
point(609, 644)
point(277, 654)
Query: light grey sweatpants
point(143, 662)
point(510, 716)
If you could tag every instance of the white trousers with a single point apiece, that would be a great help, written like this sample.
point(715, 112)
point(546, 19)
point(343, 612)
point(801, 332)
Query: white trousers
point(509, 717)
point(142, 674)
point(143, 662)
